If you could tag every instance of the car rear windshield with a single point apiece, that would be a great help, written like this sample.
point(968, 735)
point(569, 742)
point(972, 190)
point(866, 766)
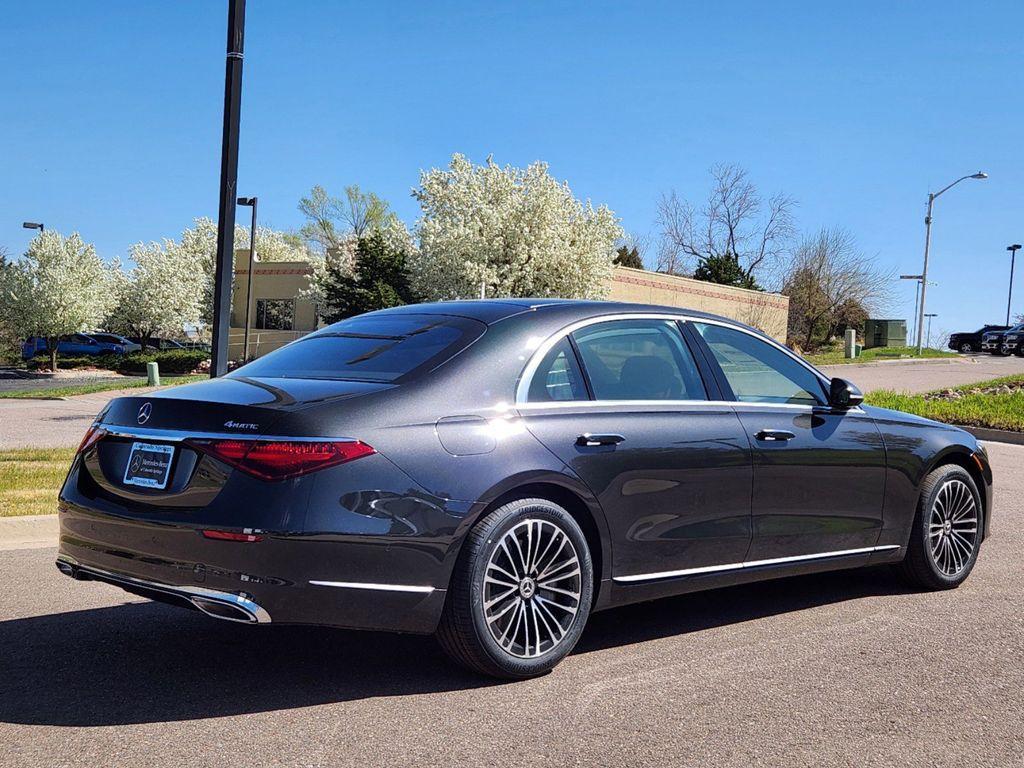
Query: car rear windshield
point(383, 348)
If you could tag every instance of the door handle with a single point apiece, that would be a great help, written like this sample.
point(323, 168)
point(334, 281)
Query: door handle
point(774, 435)
point(589, 440)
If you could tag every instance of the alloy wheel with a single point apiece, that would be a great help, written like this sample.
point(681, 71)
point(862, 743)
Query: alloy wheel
point(531, 588)
point(953, 528)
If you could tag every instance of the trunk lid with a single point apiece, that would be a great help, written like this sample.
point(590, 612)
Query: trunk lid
point(153, 429)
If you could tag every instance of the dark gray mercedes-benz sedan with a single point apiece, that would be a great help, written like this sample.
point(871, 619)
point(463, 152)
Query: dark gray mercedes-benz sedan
point(494, 471)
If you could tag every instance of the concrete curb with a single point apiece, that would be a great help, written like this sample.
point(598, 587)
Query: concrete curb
point(902, 361)
point(995, 435)
point(28, 531)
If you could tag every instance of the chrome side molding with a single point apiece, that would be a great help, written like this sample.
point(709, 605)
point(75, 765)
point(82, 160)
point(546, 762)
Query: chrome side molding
point(640, 577)
point(372, 586)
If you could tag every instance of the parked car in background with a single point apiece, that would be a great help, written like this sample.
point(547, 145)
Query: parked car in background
point(157, 343)
point(994, 341)
point(972, 340)
point(116, 340)
point(73, 345)
point(1013, 341)
point(494, 471)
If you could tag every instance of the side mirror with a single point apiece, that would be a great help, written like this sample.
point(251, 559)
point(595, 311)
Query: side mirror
point(843, 395)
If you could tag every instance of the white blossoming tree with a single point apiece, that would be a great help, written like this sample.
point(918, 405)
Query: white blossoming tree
point(517, 232)
point(162, 292)
point(60, 286)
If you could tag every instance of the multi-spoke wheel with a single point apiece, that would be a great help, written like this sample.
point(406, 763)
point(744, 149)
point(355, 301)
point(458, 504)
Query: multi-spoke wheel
point(953, 527)
point(531, 589)
point(946, 534)
point(521, 592)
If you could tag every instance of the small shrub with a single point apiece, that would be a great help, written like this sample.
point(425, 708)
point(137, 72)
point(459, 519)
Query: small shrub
point(170, 361)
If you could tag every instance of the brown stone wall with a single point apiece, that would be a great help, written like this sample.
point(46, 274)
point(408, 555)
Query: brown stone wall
point(766, 311)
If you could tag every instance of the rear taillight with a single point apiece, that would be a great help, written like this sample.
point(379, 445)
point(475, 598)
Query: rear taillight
point(281, 459)
point(213, 533)
point(92, 436)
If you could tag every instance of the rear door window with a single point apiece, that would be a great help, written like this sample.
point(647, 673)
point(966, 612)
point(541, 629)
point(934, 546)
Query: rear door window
point(639, 360)
point(368, 348)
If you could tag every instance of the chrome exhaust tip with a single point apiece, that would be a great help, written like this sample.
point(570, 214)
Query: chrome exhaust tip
point(219, 609)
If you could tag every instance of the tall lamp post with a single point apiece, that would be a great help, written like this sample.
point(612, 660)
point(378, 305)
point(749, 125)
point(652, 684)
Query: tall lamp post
point(251, 202)
point(1013, 258)
point(34, 225)
point(927, 242)
point(930, 315)
point(224, 264)
point(917, 290)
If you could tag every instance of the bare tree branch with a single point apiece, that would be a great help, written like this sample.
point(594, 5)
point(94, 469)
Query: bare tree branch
point(830, 283)
point(730, 225)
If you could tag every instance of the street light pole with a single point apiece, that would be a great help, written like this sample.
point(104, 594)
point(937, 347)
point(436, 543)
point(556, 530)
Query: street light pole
point(930, 316)
point(917, 291)
point(927, 244)
point(224, 268)
point(34, 225)
point(249, 201)
point(1013, 258)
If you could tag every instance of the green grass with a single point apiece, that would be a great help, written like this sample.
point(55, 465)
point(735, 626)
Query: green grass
point(30, 479)
point(995, 411)
point(99, 386)
point(834, 355)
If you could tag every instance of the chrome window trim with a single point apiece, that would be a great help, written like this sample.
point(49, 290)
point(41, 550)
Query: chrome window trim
point(526, 378)
point(372, 586)
point(642, 577)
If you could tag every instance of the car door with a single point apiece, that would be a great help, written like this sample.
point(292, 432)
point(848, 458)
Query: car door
point(634, 421)
point(819, 473)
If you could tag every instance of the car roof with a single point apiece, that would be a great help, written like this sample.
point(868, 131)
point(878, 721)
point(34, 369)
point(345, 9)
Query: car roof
point(493, 310)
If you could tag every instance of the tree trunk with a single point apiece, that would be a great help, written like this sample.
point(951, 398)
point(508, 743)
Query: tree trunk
point(51, 348)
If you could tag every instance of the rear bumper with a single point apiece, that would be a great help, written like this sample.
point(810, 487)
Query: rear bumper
point(290, 579)
point(221, 605)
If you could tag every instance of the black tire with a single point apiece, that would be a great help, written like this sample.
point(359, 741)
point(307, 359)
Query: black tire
point(464, 631)
point(920, 566)
point(966, 347)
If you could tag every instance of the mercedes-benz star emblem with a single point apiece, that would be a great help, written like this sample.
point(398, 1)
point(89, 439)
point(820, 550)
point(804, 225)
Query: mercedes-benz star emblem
point(144, 412)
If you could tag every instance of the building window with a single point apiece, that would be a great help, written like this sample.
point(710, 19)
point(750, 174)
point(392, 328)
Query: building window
point(275, 314)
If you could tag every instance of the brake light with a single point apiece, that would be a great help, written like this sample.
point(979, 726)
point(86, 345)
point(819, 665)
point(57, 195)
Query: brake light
point(281, 459)
point(92, 436)
point(213, 533)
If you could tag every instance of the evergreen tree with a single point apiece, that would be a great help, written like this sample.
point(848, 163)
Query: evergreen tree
point(628, 257)
point(379, 279)
point(726, 270)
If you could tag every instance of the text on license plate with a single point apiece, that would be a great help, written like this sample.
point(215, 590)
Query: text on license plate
point(149, 465)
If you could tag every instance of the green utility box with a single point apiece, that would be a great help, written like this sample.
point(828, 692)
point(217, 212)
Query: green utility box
point(885, 333)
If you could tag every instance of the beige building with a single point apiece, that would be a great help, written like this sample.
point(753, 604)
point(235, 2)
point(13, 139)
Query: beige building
point(278, 312)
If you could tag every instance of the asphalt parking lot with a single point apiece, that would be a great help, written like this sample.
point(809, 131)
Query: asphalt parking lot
point(842, 669)
point(923, 376)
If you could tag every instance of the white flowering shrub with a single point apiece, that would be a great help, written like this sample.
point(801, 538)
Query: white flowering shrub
point(518, 231)
point(60, 286)
point(162, 292)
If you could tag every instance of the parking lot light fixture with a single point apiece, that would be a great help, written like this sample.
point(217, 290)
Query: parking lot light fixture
point(1013, 258)
point(251, 203)
point(34, 225)
point(927, 243)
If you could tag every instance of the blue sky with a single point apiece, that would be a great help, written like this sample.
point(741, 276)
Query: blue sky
point(112, 114)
